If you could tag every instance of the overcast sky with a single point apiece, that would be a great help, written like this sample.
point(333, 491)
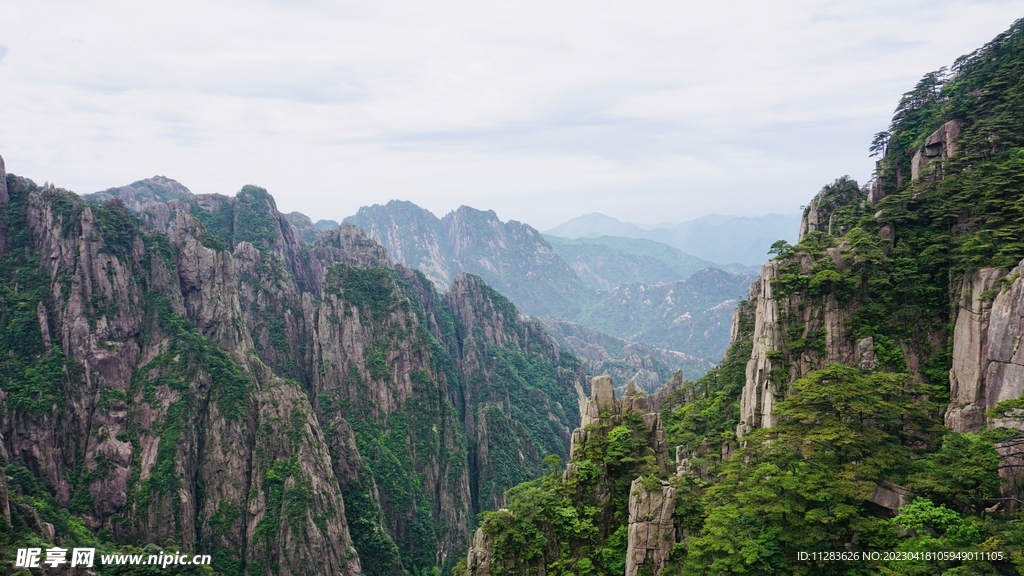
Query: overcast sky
point(649, 111)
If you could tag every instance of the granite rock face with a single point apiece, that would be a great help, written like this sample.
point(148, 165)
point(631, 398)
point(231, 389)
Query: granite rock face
point(217, 382)
point(758, 397)
point(510, 256)
point(971, 392)
point(988, 363)
point(652, 529)
point(141, 195)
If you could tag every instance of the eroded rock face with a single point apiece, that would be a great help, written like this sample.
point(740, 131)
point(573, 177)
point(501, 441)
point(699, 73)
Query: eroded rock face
point(3, 182)
point(969, 392)
point(652, 530)
point(988, 362)
point(780, 318)
point(757, 401)
point(602, 399)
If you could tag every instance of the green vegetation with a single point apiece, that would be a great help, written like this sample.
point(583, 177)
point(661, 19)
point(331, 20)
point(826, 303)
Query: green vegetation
point(967, 207)
point(371, 290)
point(119, 227)
point(683, 315)
point(30, 503)
point(254, 220)
point(33, 377)
point(389, 506)
point(189, 354)
point(578, 525)
point(802, 485)
point(219, 226)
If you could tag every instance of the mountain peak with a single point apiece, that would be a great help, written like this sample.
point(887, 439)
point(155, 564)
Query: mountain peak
point(142, 194)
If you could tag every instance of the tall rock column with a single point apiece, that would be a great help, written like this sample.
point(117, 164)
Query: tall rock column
point(757, 400)
point(652, 532)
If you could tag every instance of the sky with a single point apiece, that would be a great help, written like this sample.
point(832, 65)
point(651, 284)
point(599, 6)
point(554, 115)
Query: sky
point(648, 111)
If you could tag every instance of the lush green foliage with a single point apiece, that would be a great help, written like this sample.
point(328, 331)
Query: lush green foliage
point(578, 525)
point(801, 485)
point(33, 377)
point(254, 220)
point(971, 202)
point(372, 290)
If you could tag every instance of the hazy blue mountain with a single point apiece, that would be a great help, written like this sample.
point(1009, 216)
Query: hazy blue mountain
point(607, 262)
point(715, 237)
point(596, 224)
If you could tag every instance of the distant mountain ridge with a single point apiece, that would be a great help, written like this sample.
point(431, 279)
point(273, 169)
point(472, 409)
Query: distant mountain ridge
point(607, 262)
point(715, 237)
point(512, 257)
point(616, 291)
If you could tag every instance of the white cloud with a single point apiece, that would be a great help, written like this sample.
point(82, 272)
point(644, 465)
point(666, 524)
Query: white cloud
point(649, 110)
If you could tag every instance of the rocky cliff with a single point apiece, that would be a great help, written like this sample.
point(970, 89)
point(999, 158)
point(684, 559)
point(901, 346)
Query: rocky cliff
point(187, 371)
point(900, 275)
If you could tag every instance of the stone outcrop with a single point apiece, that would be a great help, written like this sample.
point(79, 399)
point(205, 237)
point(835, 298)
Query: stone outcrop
point(940, 145)
point(820, 213)
point(890, 497)
point(652, 529)
point(3, 182)
point(602, 399)
point(141, 195)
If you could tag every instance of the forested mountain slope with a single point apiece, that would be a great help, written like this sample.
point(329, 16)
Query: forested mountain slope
point(184, 371)
point(870, 401)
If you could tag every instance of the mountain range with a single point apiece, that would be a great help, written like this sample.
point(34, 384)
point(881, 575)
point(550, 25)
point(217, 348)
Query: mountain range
point(726, 239)
point(604, 284)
